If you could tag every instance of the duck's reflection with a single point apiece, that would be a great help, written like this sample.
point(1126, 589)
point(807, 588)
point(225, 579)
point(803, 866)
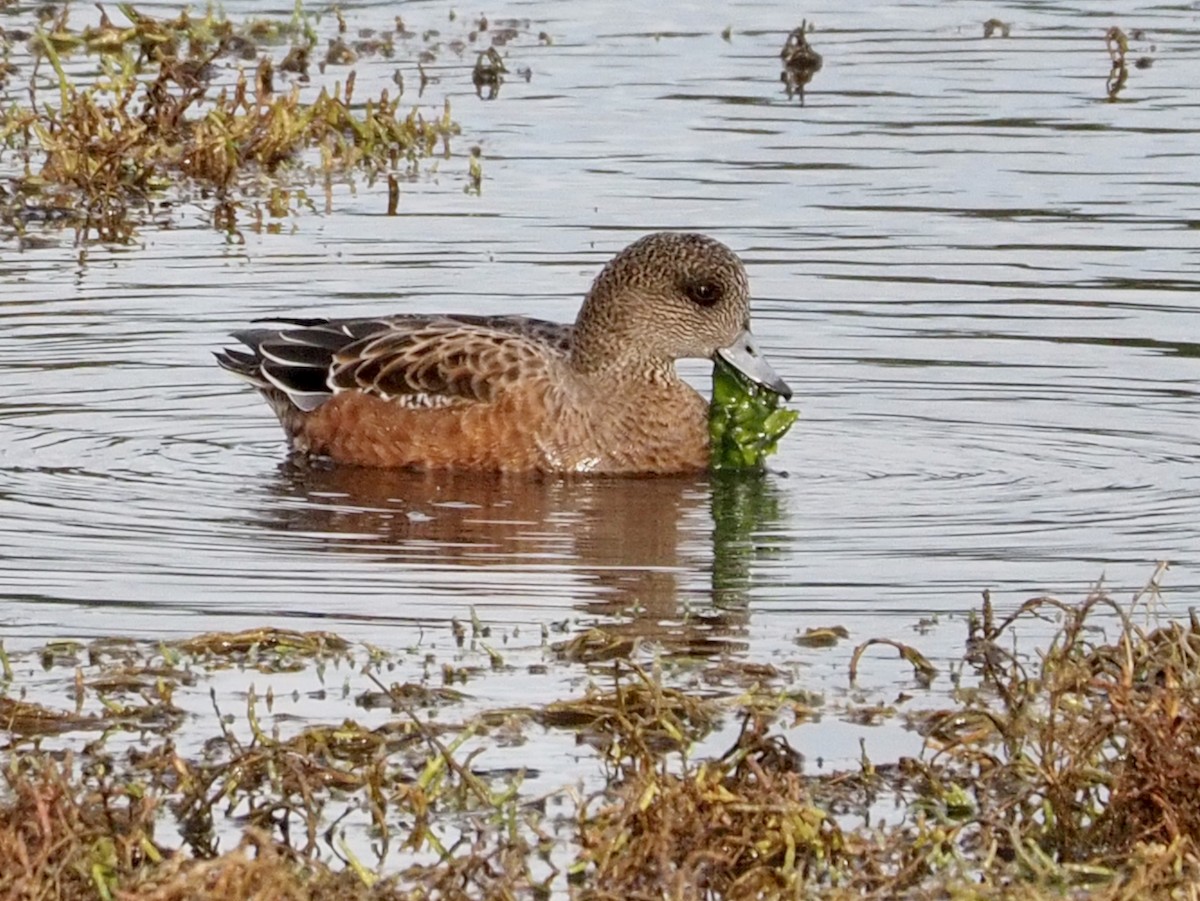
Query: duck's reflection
point(667, 558)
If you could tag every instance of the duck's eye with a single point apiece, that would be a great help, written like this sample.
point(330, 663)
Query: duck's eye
point(703, 292)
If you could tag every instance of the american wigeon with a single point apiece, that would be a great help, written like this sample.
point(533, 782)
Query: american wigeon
point(509, 393)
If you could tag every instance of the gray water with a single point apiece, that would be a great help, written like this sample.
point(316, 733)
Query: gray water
point(978, 274)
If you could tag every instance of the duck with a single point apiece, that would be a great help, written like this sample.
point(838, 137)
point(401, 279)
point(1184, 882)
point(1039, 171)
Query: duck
point(510, 393)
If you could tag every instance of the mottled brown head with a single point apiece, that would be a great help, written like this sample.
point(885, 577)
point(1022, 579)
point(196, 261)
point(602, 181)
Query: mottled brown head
point(665, 297)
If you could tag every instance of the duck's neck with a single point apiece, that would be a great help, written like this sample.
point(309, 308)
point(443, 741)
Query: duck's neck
point(599, 364)
point(596, 334)
point(603, 342)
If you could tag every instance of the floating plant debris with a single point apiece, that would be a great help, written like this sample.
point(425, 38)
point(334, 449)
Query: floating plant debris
point(800, 61)
point(488, 74)
point(1117, 42)
point(997, 27)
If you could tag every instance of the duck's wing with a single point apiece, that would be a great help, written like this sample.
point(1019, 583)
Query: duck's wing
point(418, 361)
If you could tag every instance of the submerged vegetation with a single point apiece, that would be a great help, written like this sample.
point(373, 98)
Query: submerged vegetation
point(1062, 773)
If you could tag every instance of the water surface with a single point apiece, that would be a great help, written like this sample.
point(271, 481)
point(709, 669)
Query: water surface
point(976, 271)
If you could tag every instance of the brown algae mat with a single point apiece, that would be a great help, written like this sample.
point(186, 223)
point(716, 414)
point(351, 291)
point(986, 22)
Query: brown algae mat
point(1065, 770)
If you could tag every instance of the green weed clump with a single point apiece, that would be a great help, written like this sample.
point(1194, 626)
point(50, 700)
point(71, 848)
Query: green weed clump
point(745, 421)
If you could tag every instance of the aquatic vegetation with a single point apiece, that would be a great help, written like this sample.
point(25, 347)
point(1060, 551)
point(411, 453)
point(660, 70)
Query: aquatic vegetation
point(1117, 43)
point(800, 61)
point(745, 420)
point(197, 110)
point(488, 74)
point(1118, 46)
point(997, 27)
point(1064, 770)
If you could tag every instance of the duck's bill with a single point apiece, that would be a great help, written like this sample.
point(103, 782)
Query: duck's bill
point(744, 356)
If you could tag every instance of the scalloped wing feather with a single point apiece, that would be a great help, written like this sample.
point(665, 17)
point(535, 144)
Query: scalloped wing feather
point(416, 361)
point(440, 363)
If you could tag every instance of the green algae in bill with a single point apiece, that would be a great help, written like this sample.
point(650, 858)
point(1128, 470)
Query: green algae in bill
point(745, 420)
